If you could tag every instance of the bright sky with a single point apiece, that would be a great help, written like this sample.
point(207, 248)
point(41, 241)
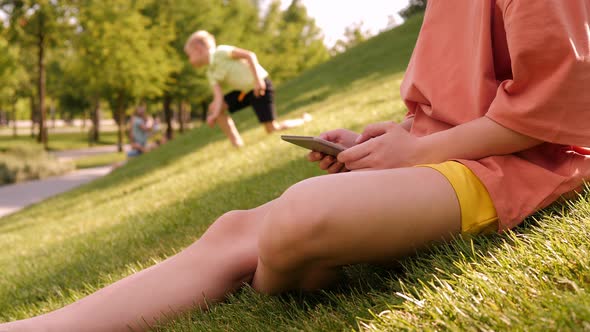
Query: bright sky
point(333, 16)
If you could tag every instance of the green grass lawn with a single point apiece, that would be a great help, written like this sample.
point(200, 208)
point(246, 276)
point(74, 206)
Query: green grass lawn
point(100, 160)
point(59, 141)
point(54, 253)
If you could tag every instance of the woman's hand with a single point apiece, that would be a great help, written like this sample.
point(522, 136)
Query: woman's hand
point(343, 137)
point(381, 146)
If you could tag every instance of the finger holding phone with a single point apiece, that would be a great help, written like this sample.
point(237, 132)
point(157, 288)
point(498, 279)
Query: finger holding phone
point(381, 146)
point(328, 163)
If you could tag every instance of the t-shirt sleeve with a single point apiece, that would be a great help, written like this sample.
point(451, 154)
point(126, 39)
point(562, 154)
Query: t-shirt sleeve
point(216, 71)
point(548, 96)
point(213, 77)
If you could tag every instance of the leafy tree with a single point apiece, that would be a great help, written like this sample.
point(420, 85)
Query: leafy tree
point(293, 43)
point(68, 83)
point(414, 7)
point(127, 58)
point(38, 24)
point(353, 35)
point(12, 77)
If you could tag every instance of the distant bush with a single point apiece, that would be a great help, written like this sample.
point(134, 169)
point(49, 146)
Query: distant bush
point(29, 163)
point(414, 7)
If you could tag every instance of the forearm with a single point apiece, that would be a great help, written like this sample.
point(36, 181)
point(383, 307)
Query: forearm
point(252, 62)
point(217, 103)
point(474, 140)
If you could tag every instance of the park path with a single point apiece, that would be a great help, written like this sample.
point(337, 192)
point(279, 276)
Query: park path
point(15, 197)
point(18, 196)
point(86, 152)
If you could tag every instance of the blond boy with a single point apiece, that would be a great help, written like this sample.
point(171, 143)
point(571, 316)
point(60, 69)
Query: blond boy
point(238, 81)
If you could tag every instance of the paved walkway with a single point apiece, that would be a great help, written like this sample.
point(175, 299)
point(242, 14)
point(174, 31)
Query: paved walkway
point(17, 196)
point(93, 151)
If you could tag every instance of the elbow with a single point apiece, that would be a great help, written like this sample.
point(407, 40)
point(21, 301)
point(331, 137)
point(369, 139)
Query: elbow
point(252, 57)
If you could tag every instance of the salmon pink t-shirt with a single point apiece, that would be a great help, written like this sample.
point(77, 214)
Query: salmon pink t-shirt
point(524, 64)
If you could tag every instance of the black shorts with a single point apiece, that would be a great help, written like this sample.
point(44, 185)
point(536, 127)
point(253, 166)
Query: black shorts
point(264, 106)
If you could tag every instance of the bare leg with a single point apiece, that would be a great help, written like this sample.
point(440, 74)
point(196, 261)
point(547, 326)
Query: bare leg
point(274, 125)
point(297, 241)
point(325, 222)
point(227, 125)
point(217, 264)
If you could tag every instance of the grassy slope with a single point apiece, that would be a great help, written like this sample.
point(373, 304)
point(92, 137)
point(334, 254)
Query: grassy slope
point(56, 252)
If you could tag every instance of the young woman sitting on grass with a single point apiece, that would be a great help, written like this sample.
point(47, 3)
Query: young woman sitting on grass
point(497, 97)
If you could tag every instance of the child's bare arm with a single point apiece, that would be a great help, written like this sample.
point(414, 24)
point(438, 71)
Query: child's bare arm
point(476, 139)
point(388, 145)
point(252, 61)
point(215, 106)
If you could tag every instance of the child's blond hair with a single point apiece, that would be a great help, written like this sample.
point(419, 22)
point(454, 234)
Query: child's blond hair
point(201, 36)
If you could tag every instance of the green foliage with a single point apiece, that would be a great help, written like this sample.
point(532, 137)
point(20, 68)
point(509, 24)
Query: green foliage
point(24, 163)
point(68, 83)
point(414, 7)
point(100, 160)
point(293, 42)
point(30, 18)
point(126, 57)
point(8, 72)
point(59, 141)
point(353, 36)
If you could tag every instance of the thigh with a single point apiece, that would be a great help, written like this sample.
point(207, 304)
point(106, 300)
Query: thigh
point(370, 216)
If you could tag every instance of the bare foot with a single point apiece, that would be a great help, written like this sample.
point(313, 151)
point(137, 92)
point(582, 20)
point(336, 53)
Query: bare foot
point(307, 117)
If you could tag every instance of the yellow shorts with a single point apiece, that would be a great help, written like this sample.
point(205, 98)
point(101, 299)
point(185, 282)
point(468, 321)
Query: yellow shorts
point(478, 214)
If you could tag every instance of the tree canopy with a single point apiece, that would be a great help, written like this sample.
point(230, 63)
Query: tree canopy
point(414, 7)
point(123, 52)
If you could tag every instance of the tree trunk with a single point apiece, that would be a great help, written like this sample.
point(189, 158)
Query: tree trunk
point(33, 115)
point(203, 111)
point(42, 119)
point(168, 117)
point(181, 116)
point(96, 121)
point(14, 130)
point(52, 108)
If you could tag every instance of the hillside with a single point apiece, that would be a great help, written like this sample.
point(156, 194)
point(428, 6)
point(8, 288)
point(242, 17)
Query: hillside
point(56, 252)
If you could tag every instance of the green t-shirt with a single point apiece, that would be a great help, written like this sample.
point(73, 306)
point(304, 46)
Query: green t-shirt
point(231, 74)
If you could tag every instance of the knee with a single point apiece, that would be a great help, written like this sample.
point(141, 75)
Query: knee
point(230, 225)
point(292, 232)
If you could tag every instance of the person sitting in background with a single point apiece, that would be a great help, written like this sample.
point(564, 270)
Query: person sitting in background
point(139, 132)
point(156, 134)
